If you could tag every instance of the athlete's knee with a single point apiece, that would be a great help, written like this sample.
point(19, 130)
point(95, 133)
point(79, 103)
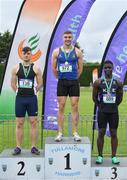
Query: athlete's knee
point(19, 124)
point(61, 106)
point(74, 106)
point(101, 133)
point(113, 133)
point(33, 122)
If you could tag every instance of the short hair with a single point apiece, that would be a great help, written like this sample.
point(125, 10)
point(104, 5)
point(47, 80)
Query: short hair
point(26, 49)
point(108, 62)
point(68, 32)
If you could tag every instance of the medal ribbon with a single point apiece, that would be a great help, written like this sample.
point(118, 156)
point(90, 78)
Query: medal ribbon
point(67, 54)
point(26, 71)
point(108, 86)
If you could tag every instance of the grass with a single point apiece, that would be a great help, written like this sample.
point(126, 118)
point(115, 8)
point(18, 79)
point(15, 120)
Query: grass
point(86, 106)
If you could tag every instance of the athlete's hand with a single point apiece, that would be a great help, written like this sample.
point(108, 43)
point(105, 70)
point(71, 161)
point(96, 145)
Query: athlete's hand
point(37, 88)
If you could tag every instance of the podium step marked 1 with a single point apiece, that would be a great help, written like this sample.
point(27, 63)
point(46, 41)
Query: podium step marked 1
point(67, 159)
point(64, 160)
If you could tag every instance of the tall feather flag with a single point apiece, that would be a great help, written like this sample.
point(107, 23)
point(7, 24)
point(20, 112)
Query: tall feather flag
point(33, 28)
point(72, 19)
point(116, 51)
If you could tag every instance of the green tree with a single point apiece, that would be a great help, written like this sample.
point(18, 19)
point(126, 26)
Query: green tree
point(5, 41)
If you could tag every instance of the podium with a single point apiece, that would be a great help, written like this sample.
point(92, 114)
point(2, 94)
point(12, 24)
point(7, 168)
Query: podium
point(108, 171)
point(24, 166)
point(67, 160)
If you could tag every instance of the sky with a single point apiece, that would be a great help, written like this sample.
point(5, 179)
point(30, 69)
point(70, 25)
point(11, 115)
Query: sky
point(101, 21)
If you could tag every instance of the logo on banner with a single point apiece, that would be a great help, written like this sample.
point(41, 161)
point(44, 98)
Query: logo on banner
point(33, 43)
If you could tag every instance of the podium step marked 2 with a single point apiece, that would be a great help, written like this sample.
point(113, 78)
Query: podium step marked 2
point(64, 160)
point(24, 166)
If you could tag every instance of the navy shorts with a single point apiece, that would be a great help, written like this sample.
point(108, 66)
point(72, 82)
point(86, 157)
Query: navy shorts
point(111, 118)
point(26, 104)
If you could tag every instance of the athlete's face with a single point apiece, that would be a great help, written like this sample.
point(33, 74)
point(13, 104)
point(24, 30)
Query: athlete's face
point(26, 56)
point(67, 39)
point(108, 69)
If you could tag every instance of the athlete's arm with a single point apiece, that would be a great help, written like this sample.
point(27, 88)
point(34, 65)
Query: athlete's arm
point(54, 62)
point(14, 78)
point(38, 77)
point(95, 91)
point(80, 61)
point(119, 92)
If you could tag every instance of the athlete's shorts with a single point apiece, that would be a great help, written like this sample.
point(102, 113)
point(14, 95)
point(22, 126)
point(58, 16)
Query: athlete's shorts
point(68, 87)
point(111, 118)
point(26, 104)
